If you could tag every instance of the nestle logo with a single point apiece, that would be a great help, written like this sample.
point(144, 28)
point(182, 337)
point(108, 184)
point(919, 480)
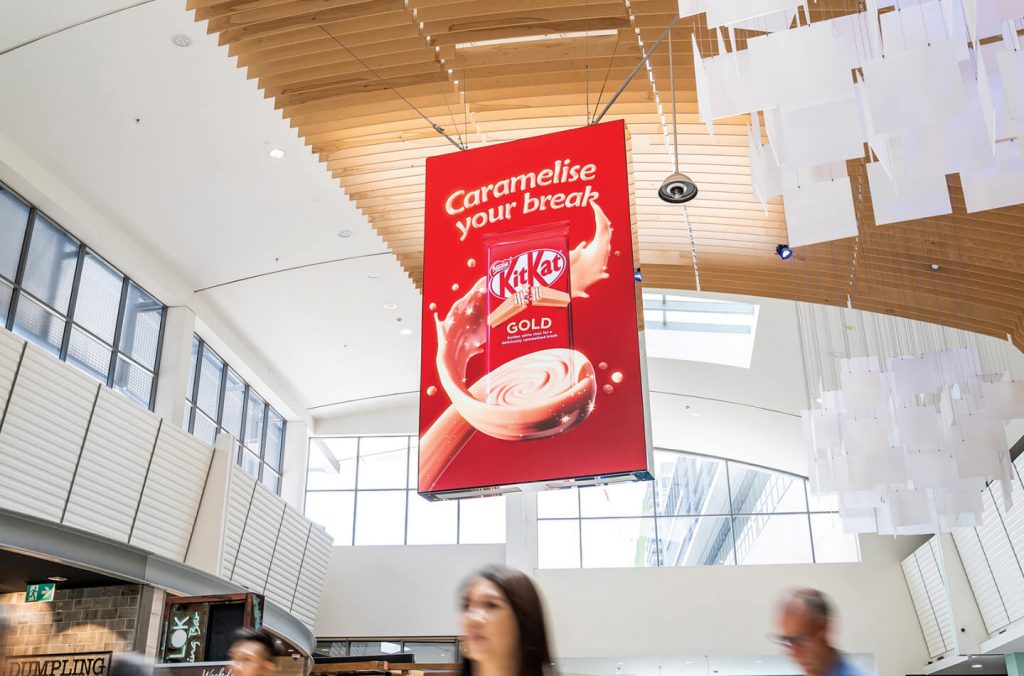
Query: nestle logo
point(539, 267)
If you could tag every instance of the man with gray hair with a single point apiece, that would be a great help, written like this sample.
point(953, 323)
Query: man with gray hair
point(805, 622)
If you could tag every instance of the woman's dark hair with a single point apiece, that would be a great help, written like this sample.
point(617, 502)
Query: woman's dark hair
point(260, 636)
point(534, 653)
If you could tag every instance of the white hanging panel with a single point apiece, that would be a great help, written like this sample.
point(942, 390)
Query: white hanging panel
point(240, 493)
point(116, 454)
point(311, 579)
point(284, 569)
point(174, 488)
point(990, 603)
point(258, 539)
point(46, 421)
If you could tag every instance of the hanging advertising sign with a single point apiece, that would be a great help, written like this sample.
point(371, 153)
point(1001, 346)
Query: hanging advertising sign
point(532, 366)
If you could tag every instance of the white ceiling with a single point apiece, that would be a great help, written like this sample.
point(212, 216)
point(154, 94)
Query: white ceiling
point(171, 146)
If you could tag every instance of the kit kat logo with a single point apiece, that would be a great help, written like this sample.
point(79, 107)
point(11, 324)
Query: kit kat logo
point(539, 267)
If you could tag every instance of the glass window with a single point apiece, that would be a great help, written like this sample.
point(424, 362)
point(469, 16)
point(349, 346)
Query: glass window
point(695, 541)
point(382, 462)
point(334, 510)
point(210, 373)
point(690, 484)
point(559, 504)
point(37, 324)
point(772, 538)
point(635, 498)
point(482, 520)
point(13, 220)
point(831, 544)
point(332, 648)
point(271, 480)
point(234, 401)
point(205, 428)
point(192, 368)
point(618, 543)
point(380, 518)
point(251, 463)
point(52, 259)
point(558, 544)
point(432, 523)
point(332, 463)
point(89, 355)
point(133, 381)
point(358, 648)
point(432, 652)
point(760, 491)
point(140, 331)
point(255, 414)
point(275, 440)
point(99, 298)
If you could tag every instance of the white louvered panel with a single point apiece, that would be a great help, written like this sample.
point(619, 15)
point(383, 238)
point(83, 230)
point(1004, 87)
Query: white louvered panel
point(258, 539)
point(1001, 559)
point(42, 435)
point(240, 492)
point(173, 490)
point(1014, 519)
point(311, 579)
point(10, 355)
point(928, 559)
point(980, 576)
point(925, 616)
point(284, 569)
point(113, 467)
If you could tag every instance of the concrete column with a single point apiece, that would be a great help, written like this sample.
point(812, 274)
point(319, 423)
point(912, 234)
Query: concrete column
point(296, 456)
point(175, 355)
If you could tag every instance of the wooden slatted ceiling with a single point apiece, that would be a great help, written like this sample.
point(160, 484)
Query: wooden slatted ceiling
point(375, 144)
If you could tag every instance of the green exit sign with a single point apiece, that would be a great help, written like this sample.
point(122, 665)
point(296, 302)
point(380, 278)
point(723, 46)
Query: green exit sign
point(37, 593)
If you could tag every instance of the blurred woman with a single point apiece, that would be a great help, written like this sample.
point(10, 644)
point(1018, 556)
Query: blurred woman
point(503, 630)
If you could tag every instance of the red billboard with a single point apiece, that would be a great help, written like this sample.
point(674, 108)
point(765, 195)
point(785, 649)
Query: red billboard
point(531, 358)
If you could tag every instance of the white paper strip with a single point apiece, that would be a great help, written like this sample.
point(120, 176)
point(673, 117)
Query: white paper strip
point(1011, 71)
point(1001, 186)
point(916, 26)
point(723, 12)
point(914, 196)
point(729, 86)
point(819, 212)
point(1004, 400)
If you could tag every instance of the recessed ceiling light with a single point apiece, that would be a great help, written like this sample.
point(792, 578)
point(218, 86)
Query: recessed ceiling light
point(276, 153)
point(57, 578)
point(373, 275)
point(406, 332)
point(344, 234)
point(181, 40)
point(935, 266)
point(390, 306)
point(976, 666)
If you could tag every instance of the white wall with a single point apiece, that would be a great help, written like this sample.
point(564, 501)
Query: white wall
point(398, 591)
point(395, 414)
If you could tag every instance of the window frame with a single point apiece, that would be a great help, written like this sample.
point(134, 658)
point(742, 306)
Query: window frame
point(68, 317)
point(193, 410)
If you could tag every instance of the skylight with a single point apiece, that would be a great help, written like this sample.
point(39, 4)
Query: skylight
point(699, 329)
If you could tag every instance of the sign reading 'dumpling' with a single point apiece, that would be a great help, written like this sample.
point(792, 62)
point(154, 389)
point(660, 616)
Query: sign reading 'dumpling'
point(531, 363)
point(59, 664)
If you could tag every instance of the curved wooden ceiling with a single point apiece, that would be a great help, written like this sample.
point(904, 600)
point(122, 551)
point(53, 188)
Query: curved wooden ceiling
point(489, 71)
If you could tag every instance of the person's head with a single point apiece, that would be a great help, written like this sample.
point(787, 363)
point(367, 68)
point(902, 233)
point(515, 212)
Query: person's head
point(130, 664)
point(252, 653)
point(503, 624)
point(804, 625)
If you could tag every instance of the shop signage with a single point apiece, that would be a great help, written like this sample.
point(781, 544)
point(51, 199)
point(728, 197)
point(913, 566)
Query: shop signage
point(39, 593)
point(531, 355)
point(196, 669)
point(62, 664)
point(186, 632)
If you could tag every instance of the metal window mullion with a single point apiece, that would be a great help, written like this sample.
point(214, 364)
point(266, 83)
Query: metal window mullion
point(263, 439)
point(579, 510)
point(732, 516)
point(245, 423)
point(117, 331)
point(157, 358)
point(19, 274)
point(810, 525)
point(195, 387)
point(222, 387)
point(408, 452)
point(69, 317)
point(355, 490)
